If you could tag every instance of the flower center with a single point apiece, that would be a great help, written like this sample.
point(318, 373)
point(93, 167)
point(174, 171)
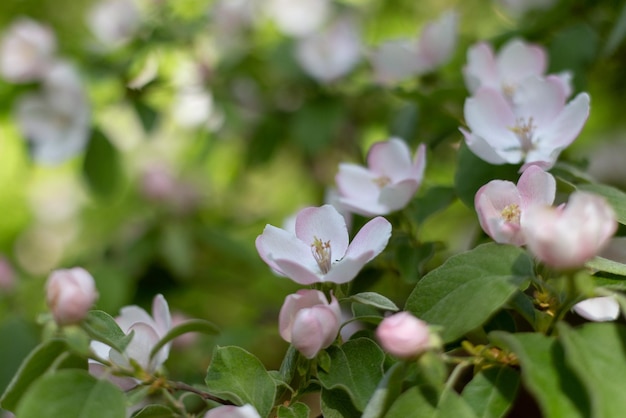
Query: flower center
point(511, 213)
point(321, 253)
point(524, 131)
point(508, 90)
point(382, 181)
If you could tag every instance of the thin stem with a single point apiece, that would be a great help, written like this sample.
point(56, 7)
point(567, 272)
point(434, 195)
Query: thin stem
point(204, 395)
point(454, 376)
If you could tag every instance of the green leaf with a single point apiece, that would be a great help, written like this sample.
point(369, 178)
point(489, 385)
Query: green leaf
point(102, 327)
point(356, 367)
point(609, 266)
point(33, 366)
point(337, 404)
point(147, 115)
point(376, 300)
point(545, 374)
point(296, 410)
point(472, 173)
point(617, 34)
point(101, 166)
point(240, 377)
point(315, 124)
point(597, 355)
point(191, 325)
point(72, 394)
point(452, 405)
point(492, 391)
point(615, 197)
point(464, 292)
point(411, 404)
point(386, 393)
point(154, 411)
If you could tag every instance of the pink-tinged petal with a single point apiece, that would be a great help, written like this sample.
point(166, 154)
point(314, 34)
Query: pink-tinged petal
point(303, 298)
point(100, 371)
point(372, 238)
point(390, 159)
point(396, 196)
point(599, 309)
point(345, 270)
point(364, 207)
point(312, 328)
point(144, 338)
point(543, 157)
point(437, 42)
point(298, 272)
point(326, 224)
point(130, 315)
point(481, 68)
point(489, 115)
point(354, 181)
point(161, 315)
point(419, 164)
point(564, 78)
point(541, 99)
point(567, 125)
point(536, 187)
point(486, 152)
point(394, 61)
point(275, 243)
point(518, 60)
point(490, 201)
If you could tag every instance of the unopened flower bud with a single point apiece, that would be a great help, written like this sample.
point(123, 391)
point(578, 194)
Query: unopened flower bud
point(568, 237)
point(404, 335)
point(309, 322)
point(70, 294)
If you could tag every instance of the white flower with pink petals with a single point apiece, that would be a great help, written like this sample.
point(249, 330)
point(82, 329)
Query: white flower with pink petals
point(532, 130)
point(568, 237)
point(514, 63)
point(318, 250)
point(387, 184)
point(147, 332)
point(27, 51)
point(400, 59)
point(330, 53)
point(232, 411)
point(599, 309)
point(309, 322)
point(501, 204)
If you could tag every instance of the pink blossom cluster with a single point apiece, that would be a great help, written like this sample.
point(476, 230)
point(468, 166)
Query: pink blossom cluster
point(516, 113)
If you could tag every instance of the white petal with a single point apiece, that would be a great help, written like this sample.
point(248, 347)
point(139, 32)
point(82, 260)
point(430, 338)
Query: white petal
point(598, 309)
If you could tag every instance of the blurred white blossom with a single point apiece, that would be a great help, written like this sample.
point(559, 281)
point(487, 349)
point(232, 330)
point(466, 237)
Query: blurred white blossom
point(114, 22)
point(331, 53)
point(298, 17)
point(27, 51)
point(55, 120)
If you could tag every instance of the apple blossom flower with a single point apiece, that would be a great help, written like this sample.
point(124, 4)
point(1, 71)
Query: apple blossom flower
point(231, 411)
point(568, 237)
point(389, 182)
point(404, 335)
point(501, 204)
point(330, 53)
point(55, 121)
point(147, 332)
point(309, 322)
point(70, 294)
point(400, 59)
point(534, 130)
point(298, 18)
point(598, 309)
point(318, 250)
point(518, 8)
point(113, 22)
point(27, 51)
point(515, 62)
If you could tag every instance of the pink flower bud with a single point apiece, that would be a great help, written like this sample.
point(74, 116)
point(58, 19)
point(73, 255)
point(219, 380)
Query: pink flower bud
point(404, 335)
point(309, 322)
point(70, 294)
point(568, 237)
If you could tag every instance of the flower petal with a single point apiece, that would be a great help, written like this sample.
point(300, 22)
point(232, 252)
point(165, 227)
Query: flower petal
point(396, 196)
point(298, 272)
point(326, 224)
point(536, 187)
point(275, 243)
point(541, 99)
point(373, 237)
point(486, 152)
point(354, 181)
point(598, 309)
point(391, 159)
point(489, 116)
point(161, 315)
point(481, 68)
point(130, 315)
point(345, 270)
point(567, 125)
point(518, 60)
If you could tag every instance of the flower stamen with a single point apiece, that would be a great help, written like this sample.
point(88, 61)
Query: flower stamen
point(511, 213)
point(382, 181)
point(524, 131)
point(322, 254)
